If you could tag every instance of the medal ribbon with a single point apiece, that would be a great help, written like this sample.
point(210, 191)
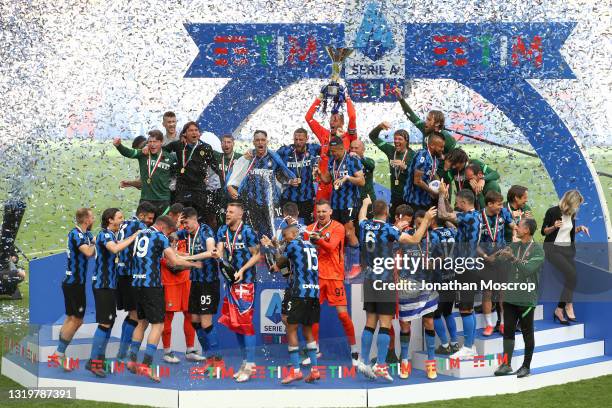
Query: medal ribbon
point(151, 172)
point(337, 173)
point(486, 221)
point(299, 166)
point(435, 163)
point(395, 169)
point(518, 252)
point(190, 154)
point(195, 240)
point(224, 169)
point(230, 247)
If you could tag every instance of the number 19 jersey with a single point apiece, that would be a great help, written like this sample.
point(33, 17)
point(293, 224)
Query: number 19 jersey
point(148, 251)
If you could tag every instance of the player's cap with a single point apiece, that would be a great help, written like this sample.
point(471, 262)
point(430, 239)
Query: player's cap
point(336, 141)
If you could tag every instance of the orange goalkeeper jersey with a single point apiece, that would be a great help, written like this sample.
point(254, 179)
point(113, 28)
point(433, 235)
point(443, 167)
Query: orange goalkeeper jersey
point(169, 278)
point(330, 249)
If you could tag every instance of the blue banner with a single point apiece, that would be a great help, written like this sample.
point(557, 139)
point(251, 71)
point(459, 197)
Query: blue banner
point(486, 50)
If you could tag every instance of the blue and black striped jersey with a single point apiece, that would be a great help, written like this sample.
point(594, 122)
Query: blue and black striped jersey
point(196, 244)
point(127, 229)
point(236, 248)
point(347, 195)
point(304, 266)
point(425, 162)
point(442, 242)
point(491, 236)
point(149, 248)
point(377, 239)
point(76, 263)
point(468, 229)
point(105, 274)
point(261, 177)
point(301, 164)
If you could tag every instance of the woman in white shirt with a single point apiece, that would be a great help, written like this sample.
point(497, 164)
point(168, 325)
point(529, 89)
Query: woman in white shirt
point(559, 228)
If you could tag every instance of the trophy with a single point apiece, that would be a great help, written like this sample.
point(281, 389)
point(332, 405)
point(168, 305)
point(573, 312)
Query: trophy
point(334, 90)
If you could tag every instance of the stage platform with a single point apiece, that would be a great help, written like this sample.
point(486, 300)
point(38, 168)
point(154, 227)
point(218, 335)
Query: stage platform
point(179, 389)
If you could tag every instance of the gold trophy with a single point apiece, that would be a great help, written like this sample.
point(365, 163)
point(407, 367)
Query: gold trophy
point(334, 90)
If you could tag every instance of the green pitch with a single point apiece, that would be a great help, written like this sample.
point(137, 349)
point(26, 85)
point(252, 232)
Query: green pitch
point(88, 173)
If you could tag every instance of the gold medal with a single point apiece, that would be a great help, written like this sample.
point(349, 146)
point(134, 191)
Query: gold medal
point(149, 180)
point(396, 182)
point(299, 180)
point(183, 170)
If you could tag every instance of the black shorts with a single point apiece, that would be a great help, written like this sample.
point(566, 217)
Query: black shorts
point(304, 311)
point(74, 300)
point(125, 294)
point(305, 209)
point(150, 304)
point(204, 298)
point(106, 305)
point(466, 297)
point(380, 308)
point(378, 301)
point(286, 299)
point(344, 216)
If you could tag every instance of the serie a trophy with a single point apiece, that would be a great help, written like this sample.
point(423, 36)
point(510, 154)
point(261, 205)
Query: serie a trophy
point(334, 91)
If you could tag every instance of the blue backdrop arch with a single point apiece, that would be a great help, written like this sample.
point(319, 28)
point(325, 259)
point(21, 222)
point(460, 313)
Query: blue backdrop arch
point(493, 59)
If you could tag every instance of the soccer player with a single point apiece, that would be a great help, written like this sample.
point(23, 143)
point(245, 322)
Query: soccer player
point(104, 283)
point(156, 168)
point(303, 307)
point(475, 177)
point(526, 259)
point(399, 155)
point(237, 242)
point(328, 237)
point(205, 286)
point(516, 203)
point(377, 238)
point(421, 171)
point(467, 220)
point(145, 214)
point(177, 286)
point(169, 123)
point(300, 158)
point(358, 151)
point(346, 174)
point(455, 165)
point(150, 246)
point(418, 303)
point(494, 220)
point(195, 159)
point(442, 242)
point(259, 184)
point(225, 161)
point(432, 124)
point(336, 126)
point(80, 247)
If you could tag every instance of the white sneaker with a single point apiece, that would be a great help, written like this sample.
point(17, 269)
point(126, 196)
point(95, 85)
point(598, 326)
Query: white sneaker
point(366, 370)
point(240, 370)
point(246, 373)
point(171, 358)
point(382, 371)
point(306, 361)
point(465, 353)
point(194, 356)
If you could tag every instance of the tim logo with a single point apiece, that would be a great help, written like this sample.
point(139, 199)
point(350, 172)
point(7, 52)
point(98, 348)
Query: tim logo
point(271, 310)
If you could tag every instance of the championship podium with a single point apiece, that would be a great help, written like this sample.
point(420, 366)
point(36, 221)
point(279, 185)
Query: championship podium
point(562, 354)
